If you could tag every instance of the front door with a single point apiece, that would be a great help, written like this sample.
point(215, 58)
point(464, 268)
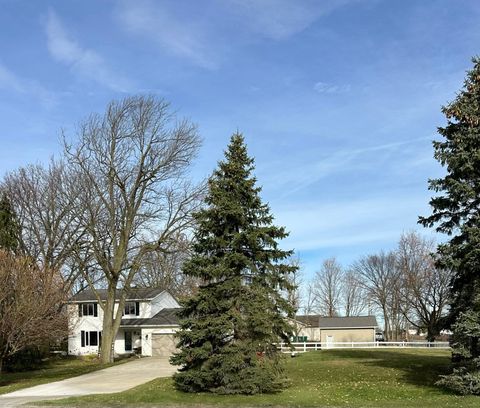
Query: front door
point(128, 341)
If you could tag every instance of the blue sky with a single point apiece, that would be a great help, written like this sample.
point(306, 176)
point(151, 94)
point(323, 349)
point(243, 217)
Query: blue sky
point(338, 100)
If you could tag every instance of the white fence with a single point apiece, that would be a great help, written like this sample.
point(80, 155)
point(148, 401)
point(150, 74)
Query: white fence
point(313, 346)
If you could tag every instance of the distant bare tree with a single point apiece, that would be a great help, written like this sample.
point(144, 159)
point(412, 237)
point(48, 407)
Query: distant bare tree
point(30, 300)
point(327, 287)
point(309, 300)
point(294, 295)
point(163, 269)
point(425, 288)
point(43, 198)
point(353, 297)
point(131, 165)
point(380, 279)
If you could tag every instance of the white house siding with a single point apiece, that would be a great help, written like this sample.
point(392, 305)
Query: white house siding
point(163, 300)
point(77, 324)
point(119, 345)
point(147, 342)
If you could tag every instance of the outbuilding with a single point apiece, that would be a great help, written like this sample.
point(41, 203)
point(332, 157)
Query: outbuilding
point(328, 330)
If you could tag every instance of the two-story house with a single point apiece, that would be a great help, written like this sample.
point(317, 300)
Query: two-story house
point(148, 323)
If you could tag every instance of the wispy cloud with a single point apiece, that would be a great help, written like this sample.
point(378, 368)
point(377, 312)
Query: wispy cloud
point(303, 172)
point(8, 80)
point(335, 225)
point(178, 36)
point(280, 19)
point(12, 82)
point(219, 25)
point(326, 88)
point(82, 61)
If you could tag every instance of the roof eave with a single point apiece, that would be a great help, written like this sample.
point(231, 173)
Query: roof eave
point(116, 300)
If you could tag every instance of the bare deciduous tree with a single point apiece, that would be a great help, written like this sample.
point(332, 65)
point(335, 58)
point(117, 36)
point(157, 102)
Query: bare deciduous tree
point(425, 288)
point(130, 163)
point(327, 287)
point(295, 278)
point(30, 300)
point(380, 278)
point(43, 199)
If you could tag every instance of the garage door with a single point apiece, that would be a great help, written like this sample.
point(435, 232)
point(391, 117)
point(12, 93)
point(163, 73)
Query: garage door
point(163, 345)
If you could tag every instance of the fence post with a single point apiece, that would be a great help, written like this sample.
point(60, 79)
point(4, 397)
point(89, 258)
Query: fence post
point(304, 346)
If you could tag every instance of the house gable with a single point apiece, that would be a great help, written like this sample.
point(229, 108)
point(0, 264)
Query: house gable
point(163, 300)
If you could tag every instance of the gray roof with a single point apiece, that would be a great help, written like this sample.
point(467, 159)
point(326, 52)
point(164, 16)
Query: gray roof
point(165, 317)
point(134, 294)
point(338, 322)
point(309, 320)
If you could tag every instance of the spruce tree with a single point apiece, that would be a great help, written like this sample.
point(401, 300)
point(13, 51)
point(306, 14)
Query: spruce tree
point(230, 327)
point(9, 228)
point(456, 212)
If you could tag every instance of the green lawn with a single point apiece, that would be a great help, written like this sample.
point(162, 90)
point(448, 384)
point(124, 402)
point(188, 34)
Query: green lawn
point(56, 369)
point(333, 378)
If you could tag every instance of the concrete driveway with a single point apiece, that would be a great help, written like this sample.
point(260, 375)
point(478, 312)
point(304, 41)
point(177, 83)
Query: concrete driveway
point(113, 379)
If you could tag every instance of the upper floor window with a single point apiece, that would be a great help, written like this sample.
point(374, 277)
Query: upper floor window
point(132, 308)
point(88, 309)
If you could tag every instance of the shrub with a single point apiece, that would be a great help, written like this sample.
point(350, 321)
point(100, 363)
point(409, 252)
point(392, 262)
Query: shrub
point(463, 380)
point(29, 358)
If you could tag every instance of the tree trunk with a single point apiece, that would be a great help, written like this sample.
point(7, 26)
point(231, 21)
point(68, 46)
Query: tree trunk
point(430, 335)
point(387, 334)
point(111, 323)
point(108, 333)
point(1, 365)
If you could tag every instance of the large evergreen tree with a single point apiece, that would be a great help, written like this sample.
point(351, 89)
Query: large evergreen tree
point(456, 212)
point(228, 329)
point(9, 227)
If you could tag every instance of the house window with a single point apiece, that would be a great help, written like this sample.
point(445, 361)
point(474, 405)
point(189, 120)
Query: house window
point(132, 308)
point(88, 309)
point(90, 338)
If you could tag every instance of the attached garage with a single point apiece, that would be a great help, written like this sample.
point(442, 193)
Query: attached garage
point(156, 333)
point(163, 345)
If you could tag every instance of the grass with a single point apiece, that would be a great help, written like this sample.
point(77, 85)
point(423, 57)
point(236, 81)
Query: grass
point(329, 378)
point(53, 370)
